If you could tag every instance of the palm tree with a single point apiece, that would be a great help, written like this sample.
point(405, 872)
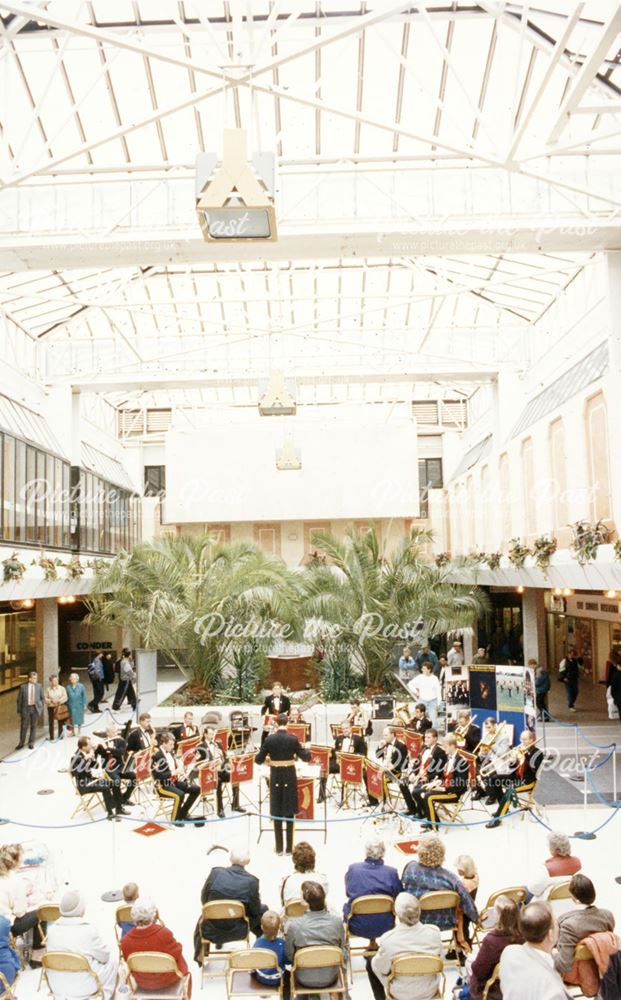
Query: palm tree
point(197, 601)
point(373, 602)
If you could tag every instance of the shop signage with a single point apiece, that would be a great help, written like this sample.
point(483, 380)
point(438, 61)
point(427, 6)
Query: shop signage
point(589, 606)
point(85, 638)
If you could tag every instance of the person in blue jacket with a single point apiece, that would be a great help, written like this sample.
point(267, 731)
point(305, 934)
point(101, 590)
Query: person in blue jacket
point(9, 959)
point(371, 877)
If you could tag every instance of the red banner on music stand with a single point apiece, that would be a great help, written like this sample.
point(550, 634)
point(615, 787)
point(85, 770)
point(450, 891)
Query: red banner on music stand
point(413, 742)
point(321, 755)
point(208, 777)
point(350, 768)
point(242, 768)
point(142, 761)
point(306, 798)
point(222, 739)
point(187, 750)
point(297, 729)
point(375, 780)
point(269, 720)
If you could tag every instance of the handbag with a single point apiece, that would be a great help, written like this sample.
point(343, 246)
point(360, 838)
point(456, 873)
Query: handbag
point(61, 712)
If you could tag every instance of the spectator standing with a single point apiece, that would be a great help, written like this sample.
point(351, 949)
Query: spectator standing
point(569, 675)
point(426, 689)
point(427, 655)
point(542, 688)
point(127, 677)
point(29, 708)
point(407, 665)
point(455, 655)
point(96, 673)
point(55, 699)
point(615, 686)
point(76, 702)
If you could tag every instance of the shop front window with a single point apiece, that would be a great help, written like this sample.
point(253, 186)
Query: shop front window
point(17, 648)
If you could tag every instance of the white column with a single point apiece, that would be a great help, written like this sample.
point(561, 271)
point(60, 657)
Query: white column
point(534, 623)
point(46, 628)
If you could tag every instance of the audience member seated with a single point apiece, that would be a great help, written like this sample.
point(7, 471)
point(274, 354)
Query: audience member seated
point(506, 931)
point(428, 875)
point(13, 899)
point(304, 860)
point(467, 871)
point(72, 933)
point(371, 877)
point(9, 959)
point(558, 868)
point(316, 927)
point(130, 895)
point(579, 923)
point(409, 936)
point(527, 970)
point(147, 935)
point(269, 938)
point(233, 882)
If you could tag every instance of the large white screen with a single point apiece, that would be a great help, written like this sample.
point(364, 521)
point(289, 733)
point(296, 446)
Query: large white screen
point(351, 468)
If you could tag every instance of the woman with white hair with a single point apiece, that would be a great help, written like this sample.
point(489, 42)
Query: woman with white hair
point(149, 935)
point(71, 932)
point(76, 702)
point(371, 877)
point(408, 936)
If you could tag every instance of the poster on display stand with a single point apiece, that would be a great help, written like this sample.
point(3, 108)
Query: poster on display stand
point(510, 697)
point(483, 689)
point(456, 691)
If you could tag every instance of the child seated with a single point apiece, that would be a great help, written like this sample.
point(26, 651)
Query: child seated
point(469, 876)
point(130, 895)
point(270, 925)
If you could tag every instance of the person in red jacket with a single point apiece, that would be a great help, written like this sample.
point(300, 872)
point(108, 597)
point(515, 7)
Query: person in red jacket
point(147, 935)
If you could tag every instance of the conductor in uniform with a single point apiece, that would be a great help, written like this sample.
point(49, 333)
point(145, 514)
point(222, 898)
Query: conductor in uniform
point(282, 749)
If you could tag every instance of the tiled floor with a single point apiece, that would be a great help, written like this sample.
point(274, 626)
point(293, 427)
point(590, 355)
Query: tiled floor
point(173, 865)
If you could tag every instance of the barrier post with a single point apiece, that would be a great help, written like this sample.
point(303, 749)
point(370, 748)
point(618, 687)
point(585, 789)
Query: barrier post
point(585, 834)
point(614, 777)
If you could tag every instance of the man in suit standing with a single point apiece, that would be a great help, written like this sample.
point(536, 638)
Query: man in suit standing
point(30, 708)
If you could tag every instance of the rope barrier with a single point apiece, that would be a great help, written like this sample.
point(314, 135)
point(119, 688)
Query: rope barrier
point(575, 726)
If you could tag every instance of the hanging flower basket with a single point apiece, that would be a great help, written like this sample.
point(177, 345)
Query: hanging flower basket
point(12, 568)
point(518, 553)
point(493, 560)
point(587, 539)
point(544, 548)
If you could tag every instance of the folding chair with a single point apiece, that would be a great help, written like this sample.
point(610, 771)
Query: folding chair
point(156, 963)
point(239, 979)
point(494, 978)
point(515, 892)
point(221, 909)
point(451, 811)
point(47, 913)
point(87, 802)
point(559, 891)
point(408, 966)
point(444, 900)
point(7, 990)
point(364, 905)
point(295, 908)
point(582, 953)
point(69, 962)
point(318, 957)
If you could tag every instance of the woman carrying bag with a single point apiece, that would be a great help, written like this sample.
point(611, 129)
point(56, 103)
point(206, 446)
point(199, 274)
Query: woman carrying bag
point(57, 710)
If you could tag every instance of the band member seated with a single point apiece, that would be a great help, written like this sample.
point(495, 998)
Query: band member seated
point(492, 752)
point(425, 772)
point(448, 787)
point(143, 736)
point(88, 778)
point(467, 732)
point(283, 748)
point(393, 754)
point(209, 750)
point(345, 743)
point(296, 717)
point(524, 762)
point(275, 704)
point(188, 730)
point(169, 783)
point(420, 721)
point(357, 716)
point(113, 753)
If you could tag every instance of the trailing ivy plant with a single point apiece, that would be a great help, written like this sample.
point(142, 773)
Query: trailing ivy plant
point(544, 548)
point(48, 565)
point(587, 538)
point(493, 559)
point(442, 559)
point(476, 557)
point(12, 568)
point(74, 568)
point(518, 553)
point(617, 549)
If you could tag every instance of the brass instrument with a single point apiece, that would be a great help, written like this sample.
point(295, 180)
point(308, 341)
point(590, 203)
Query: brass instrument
point(518, 753)
point(403, 715)
point(485, 745)
point(460, 732)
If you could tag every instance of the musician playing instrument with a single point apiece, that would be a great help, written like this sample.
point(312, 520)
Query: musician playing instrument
point(143, 736)
point(467, 732)
point(167, 775)
point(188, 730)
point(345, 742)
point(448, 787)
point(276, 703)
point(208, 750)
point(88, 777)
point(283, 749)
point(113, 752)
point(393, 754)
point(420, 721)
point(423, 774)
point(357, 716)
point(525, 761)
point(493, 754)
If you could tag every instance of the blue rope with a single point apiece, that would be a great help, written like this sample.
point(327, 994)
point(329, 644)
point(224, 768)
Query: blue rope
point(574, 725)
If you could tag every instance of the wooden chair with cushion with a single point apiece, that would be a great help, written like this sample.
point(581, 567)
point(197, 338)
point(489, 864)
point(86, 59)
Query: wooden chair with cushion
point(239, 979)
point(156, 962)
point(318, 957)
point(515, 892)
point(47, 913)
point(364, 905)
point(444, 900)
point(221, 909)
point(407, 966)
point(68, 962)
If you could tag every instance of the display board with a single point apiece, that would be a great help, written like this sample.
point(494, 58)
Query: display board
point(504, 692)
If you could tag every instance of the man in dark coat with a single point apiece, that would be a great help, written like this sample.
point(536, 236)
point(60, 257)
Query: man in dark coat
point(30, 708)
point(282, 749)
point(233, 882)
